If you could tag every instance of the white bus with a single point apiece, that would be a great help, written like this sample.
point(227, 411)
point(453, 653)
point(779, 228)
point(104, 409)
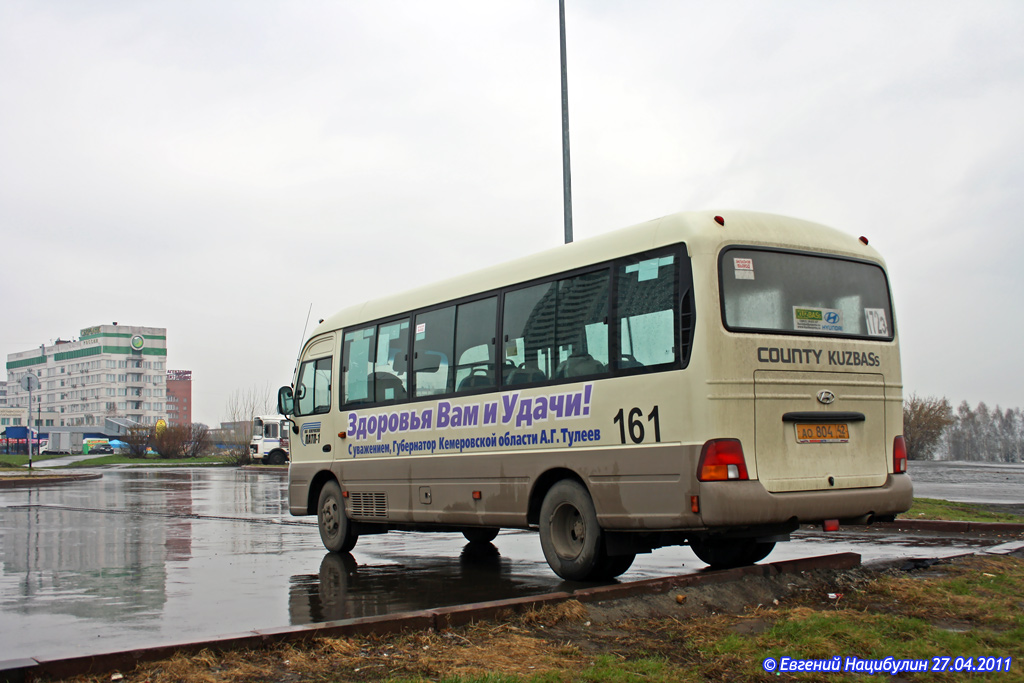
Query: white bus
point(269, 442)
point(702, 380)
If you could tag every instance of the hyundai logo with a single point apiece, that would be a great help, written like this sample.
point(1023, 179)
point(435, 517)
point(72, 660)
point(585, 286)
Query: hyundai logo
point(826, 397)
point(832, 317)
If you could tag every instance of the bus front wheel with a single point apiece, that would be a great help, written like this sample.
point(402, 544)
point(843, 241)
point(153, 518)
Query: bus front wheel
point(483, 534)
point(335, 530)
point(569, 534)
point(726, 553)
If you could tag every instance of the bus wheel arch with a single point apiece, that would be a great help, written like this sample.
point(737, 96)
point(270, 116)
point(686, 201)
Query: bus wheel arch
point(315, 486)
point(541, 487)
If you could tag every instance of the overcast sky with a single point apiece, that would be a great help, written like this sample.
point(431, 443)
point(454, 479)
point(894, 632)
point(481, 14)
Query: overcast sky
point(216, 168)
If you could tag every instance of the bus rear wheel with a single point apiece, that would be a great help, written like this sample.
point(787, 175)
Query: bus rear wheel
point(726, 553)
point(569, 534)
point(335, 529)
point(611, 566)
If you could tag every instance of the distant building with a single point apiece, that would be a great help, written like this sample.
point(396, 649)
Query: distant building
point(3, 394)
point(110, 371)
point(179, 397)
point(12, 417)
point(232, 434)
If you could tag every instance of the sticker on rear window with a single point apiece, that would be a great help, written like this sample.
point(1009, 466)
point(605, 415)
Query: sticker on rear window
point(744, 268)
point(817, 319)
point(875, 317)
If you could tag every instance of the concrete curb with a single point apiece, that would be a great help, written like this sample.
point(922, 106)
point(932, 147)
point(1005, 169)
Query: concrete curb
point(942, 525)
point(28, 669)
point(37, 480)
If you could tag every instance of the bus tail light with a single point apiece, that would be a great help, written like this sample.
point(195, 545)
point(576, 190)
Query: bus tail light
point(899, 455)
point(722, 460)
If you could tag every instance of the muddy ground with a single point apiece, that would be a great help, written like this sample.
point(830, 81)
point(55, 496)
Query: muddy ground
point(681, 630)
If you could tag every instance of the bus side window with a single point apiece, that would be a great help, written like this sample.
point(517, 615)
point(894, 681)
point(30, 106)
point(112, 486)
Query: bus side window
point(528, 334)
point(582, 325)
point(474, 344)
point(322, 386)
point(432, 352)
point(357, 364)
point(390, 369)
point(647, 312)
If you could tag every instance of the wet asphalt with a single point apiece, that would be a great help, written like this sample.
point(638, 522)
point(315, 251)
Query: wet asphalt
point(146, 557)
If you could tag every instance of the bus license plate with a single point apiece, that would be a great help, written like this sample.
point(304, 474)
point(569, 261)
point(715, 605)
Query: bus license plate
point(822, 433)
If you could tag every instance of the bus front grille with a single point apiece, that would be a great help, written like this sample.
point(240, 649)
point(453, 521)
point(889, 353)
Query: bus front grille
point(368, 504)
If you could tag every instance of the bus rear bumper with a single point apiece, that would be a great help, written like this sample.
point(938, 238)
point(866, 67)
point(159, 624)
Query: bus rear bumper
point(747, 503)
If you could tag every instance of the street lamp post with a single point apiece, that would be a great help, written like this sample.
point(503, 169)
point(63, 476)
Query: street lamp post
point(566, 179)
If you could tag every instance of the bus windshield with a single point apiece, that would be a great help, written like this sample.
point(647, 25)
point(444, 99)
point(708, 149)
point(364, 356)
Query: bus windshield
point(797, 293)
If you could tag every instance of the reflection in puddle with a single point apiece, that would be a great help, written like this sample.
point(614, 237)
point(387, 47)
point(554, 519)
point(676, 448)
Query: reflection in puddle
point(342, 589)
point(139, 558)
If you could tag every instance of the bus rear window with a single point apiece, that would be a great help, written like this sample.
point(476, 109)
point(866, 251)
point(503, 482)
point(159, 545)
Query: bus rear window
point(805, 294)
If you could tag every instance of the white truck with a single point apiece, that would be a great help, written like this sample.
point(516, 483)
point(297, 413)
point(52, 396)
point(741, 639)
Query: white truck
point(63, 443)
point(269, 443)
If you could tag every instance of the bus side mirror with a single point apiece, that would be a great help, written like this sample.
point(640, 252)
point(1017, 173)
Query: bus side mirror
point(285, 401)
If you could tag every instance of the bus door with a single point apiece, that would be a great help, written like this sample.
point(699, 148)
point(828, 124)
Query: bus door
point(803, 442)
point(316, 440)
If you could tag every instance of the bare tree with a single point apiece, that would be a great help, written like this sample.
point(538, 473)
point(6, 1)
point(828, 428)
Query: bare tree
point(136, 441)
point(970, 434)
point(924, 421)
point(172, 441)
point(242, 405)
point(1008, 442)
point(198, 440)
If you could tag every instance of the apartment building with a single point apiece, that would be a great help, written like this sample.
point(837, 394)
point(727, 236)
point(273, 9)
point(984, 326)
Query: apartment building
point(109, 371)
point(179, 397)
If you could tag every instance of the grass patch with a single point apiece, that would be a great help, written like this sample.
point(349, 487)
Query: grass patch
point(15, 461)
point(150, 461)
point(969, 607)
point(932, 508)
point(18, 462)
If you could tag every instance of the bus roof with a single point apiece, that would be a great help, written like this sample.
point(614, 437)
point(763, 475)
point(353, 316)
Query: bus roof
point(699, 230)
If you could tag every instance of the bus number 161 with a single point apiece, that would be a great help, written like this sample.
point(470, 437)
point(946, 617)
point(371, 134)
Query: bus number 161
point(636, 425)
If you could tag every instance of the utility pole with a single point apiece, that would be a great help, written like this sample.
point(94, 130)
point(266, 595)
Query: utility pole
point(29, 383)
point(566, 179)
